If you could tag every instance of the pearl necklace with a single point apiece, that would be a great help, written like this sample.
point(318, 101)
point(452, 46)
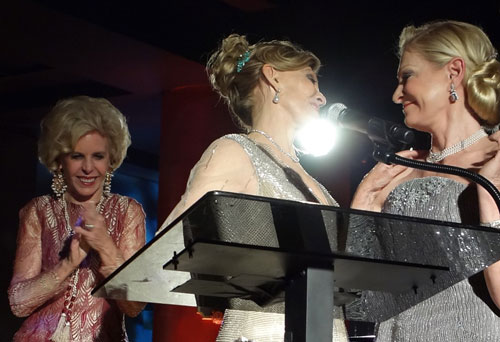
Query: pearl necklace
point(434, 157)
point(295, 159)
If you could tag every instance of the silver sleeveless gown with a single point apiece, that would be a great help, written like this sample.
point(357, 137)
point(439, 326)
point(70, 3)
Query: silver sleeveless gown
point(459, 313)
point(277, 182)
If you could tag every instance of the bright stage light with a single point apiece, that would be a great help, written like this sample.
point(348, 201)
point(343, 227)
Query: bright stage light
point(317, 137)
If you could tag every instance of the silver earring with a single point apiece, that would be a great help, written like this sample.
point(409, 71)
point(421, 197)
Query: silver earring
point(453, 93)
point(107, 183)
point(58, 184)
point(276, 97)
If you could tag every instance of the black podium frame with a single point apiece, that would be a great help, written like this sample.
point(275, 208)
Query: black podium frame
point(307, 279)
point(305, 239)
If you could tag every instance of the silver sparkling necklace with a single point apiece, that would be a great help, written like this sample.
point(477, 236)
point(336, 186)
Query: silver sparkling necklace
point(294, 158)
point(434, 157)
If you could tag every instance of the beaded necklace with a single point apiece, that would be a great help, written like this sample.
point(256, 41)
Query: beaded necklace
point(62, 331)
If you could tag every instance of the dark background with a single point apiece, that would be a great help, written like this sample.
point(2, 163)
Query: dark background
point(134, 53)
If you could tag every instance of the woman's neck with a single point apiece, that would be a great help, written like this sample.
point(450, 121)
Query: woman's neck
point(95, 198)
point(277, 125)
point(458, 126)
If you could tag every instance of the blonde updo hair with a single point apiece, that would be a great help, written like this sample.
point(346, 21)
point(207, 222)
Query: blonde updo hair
point(72, 118)
point(236, 88)
point(439, 42)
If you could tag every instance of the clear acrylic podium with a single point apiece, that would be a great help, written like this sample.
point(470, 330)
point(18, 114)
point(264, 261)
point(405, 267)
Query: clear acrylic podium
point(254, 253)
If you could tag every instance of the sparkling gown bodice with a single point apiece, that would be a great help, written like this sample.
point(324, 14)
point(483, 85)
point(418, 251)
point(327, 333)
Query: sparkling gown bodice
point(464, 311)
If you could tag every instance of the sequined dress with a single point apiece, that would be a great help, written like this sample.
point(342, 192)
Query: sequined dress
point(274, 180)
point(463, 312)
point(36, 293)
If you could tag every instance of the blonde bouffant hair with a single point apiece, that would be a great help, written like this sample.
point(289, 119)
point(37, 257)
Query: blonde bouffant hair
point(440, 41)
point(236, 87)
point(72, 118)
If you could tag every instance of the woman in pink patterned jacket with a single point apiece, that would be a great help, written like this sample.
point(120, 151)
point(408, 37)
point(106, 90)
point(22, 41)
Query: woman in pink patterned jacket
point(70, 240)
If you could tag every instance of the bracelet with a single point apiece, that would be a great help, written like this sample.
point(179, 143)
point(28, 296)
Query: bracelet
point(492, 224)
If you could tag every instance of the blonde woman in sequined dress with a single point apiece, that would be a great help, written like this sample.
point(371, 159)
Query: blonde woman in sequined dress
point(448, 86)
point(69, 241)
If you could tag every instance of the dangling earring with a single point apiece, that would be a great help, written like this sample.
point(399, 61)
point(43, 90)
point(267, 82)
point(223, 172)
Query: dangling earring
point(107, 183)
point(276, 97)
point(453, 93)
point(58, 184)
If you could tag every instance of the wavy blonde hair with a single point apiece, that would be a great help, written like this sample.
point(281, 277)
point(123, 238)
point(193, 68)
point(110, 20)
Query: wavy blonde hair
point(440, 41)
point(72, 118)
point(236, 88)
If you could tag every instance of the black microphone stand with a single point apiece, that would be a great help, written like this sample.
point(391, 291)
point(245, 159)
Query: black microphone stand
point(385, 153)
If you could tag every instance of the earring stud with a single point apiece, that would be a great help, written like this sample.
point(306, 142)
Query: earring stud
point(276, 98)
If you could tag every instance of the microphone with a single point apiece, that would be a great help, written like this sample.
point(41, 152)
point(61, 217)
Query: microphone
point(378, 130)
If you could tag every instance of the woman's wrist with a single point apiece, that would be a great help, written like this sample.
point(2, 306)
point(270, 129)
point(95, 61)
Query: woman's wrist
point(111, 257)
point(63, 270)
point(110, 265)
point(364, 200)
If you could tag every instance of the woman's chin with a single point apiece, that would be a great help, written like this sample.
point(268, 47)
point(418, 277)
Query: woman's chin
point(411, 124)
point(308, 117)
point(83, 195)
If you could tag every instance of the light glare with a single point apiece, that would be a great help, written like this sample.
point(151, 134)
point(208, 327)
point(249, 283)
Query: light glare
point(317, 137)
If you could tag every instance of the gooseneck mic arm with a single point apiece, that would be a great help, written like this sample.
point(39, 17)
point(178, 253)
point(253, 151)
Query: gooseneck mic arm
point(387, 137)
point(378, 130)
point(385, 154)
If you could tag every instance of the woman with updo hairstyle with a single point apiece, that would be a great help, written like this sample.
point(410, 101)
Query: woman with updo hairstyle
point(71, 240)
point(448, 86)
point(271, 89)
point(237, 87)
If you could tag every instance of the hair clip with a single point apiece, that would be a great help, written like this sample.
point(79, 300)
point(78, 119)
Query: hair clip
point(242, 60)
point(493, 56)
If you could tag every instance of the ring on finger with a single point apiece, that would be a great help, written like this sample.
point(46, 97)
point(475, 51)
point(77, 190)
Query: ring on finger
point(89, 226)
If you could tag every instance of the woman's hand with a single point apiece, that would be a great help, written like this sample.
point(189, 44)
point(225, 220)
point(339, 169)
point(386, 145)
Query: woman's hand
point(376, 184)
point(488, 210)
point(491, 169)
point(93, 230)
point(77, 251)
point(94, 234)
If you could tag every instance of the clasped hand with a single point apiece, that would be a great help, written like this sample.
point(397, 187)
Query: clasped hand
point(375, 185)
point(94, 237)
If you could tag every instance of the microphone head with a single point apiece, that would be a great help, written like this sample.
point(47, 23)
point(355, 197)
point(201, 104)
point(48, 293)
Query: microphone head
point(335, 110)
